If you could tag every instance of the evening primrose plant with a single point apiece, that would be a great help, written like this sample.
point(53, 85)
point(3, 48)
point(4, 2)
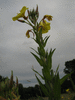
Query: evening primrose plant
point(52, 87)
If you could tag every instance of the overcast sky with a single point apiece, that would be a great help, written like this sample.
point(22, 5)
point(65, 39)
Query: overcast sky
point(15, 46)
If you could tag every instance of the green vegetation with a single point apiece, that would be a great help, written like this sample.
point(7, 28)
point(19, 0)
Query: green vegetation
point(31, 93)
point(8, 90)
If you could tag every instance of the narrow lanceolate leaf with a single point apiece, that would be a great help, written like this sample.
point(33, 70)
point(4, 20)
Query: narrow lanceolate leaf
point(35, 51)
point(50, 58)
point(41, 51)
point(65, 77)
point(37, 41)
point(46, 74)
point(52, 74)
point(53, 51)
point(57, 70)
point(45, 40)
point(42, 87)
point(38, 73)
point(38, 59)
point(57, 87)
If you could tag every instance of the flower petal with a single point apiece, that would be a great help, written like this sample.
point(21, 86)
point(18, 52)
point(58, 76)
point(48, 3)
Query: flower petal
point(45, 26)
point(23, 9)
point(21, 14)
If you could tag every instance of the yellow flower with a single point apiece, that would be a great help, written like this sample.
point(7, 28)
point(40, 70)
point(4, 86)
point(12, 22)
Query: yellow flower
point(45, 26)
point(49, 17)
point(21, 14)
point(62, 97)
point(67, 90)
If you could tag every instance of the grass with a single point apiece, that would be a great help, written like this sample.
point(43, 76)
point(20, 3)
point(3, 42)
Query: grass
point(65, 96)
point(69, 95)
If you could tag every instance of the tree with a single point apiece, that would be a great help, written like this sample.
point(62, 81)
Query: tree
point(0, 78)
point(70, 66)
point(20, 89)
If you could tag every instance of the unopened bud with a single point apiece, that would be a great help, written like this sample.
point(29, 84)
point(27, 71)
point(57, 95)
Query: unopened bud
point(37, 9)
point(21, 21)
point(28, 12)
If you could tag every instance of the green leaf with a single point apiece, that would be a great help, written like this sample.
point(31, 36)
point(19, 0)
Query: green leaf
point(65, 77)
point(52, 74)
point(53, 51)
point(38, 73)
point(38, 59)
point(45, 40)
point(57, 87)
point(49, 59)
point(40, 32)
point(34, 50)
point(36, 41)
point(46, 74)
point(41, 51)
point(57, 70)
point(42, 87)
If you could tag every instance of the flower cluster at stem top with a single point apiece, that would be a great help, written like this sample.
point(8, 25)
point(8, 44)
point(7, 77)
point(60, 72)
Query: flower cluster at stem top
point(33, 17)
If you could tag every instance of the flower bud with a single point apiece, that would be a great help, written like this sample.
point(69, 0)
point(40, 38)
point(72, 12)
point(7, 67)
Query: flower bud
point(21, 21)
point(33, 15)
point(37, 8)
point(37, 13)
point(28, 12)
